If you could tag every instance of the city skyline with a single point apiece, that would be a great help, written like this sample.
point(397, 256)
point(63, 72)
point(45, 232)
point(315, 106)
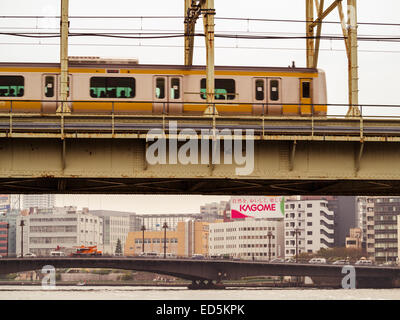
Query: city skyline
point(140, 204)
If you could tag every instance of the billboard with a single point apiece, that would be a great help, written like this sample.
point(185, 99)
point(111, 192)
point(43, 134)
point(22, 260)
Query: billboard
point(257, 207)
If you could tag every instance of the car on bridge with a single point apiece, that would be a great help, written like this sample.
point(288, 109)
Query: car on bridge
point(317, 260)
point(149, 254)
point(278, 260)
point(364, 261)
point(341, 262)
point(389, 264)
point(197, 256)
point(57, 254)
point(28, 255)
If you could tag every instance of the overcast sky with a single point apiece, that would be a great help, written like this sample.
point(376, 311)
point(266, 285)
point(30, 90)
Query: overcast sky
point(378, 61)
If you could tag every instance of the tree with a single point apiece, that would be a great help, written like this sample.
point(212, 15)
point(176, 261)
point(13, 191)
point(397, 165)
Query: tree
point(118, 248)
point(340, 253)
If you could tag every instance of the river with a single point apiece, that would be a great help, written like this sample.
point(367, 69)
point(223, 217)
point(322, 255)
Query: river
point(181, 293)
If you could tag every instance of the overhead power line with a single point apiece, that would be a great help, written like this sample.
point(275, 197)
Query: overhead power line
point(167, 31)
point(181, 46)
point(182, 17)
point(141, 35)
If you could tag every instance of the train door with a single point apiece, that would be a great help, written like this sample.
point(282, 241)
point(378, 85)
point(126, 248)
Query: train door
point(259, 96)
point(274, 96)
point(305, 97)
point(267, 96)
point(51, 92)
point(168, 95)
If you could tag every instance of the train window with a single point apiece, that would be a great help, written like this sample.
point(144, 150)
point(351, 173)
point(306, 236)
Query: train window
point(49, 86)
point(224, 89)
point(259, 89)
point(112, 87)
point(175, 88)
point(160, 88)
point(274, 90)
point(306, 89)
point(12, 86)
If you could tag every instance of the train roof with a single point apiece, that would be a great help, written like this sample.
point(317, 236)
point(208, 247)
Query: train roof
point(89, 64)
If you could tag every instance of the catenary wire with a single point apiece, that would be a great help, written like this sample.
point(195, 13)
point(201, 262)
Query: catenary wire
point(182, 17)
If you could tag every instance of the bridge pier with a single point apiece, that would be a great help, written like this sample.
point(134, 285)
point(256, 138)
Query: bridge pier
point(202, 284)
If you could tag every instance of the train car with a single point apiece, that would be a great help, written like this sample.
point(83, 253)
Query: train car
point(98, 85)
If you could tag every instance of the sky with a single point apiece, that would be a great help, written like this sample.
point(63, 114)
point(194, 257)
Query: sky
point(378, 61)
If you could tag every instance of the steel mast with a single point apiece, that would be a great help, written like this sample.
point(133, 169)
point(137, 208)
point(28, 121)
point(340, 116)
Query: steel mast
point(350, 38)
point(193, 9)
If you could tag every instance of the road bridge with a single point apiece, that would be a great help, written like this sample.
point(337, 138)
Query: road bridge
point(209, 271)
point(106, 153)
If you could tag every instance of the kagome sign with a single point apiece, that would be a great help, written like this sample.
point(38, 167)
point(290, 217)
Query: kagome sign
point(257, 207)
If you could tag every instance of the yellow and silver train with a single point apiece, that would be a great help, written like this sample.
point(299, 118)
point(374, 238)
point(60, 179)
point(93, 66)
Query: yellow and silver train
point(124, 86)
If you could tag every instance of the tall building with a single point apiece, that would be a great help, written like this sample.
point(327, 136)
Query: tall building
point(258, 239)
point(4, 203)
point(398, 240)
point(386, 211)
point(195, 239)
point(213, 211)
point(15, 201)
point(345, 215)
point(11, 219)
point(365, 221)
point(369, 227)
point(155, 222)
point(42, 233)
point(190, 237)
point(361, 218)
point(310, 223)
point(378, 221)
point(116, 225)
point(40, 201)
point(354, 240)
point(4, 238)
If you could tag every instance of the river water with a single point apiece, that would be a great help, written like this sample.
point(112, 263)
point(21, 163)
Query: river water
point(181, 293)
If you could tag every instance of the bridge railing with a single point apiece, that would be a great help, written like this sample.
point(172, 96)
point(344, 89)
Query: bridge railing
point(15, 118)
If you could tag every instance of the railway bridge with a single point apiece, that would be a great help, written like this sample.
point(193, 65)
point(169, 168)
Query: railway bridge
point(108, 153)
point(205, 273)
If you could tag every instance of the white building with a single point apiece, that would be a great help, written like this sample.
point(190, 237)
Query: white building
point(398, 240)
point(247, 239)
point(311, 223)
point(214, 210)
point(155, 222)
point(40, 201)
point(42, 233)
